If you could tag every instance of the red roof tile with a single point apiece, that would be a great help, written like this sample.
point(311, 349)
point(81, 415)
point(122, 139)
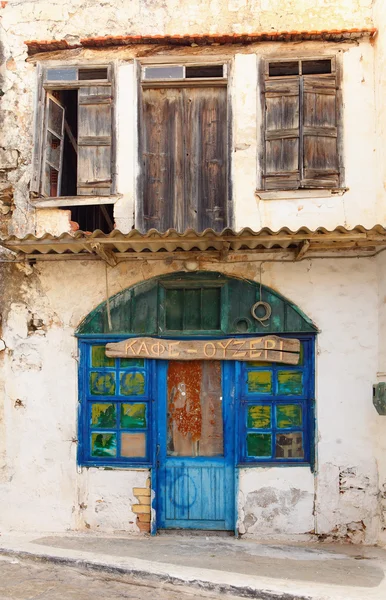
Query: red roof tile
point(332, 35)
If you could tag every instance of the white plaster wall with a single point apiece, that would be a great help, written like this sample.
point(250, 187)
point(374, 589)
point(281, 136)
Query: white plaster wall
point(39, 486)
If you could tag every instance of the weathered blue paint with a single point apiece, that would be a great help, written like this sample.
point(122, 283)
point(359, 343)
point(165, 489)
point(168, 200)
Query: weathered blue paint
point(197, 492)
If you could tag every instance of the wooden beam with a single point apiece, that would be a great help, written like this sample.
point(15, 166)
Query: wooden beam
point(70, 136)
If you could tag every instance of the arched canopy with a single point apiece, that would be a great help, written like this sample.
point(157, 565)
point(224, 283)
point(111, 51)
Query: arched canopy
point(198, 303)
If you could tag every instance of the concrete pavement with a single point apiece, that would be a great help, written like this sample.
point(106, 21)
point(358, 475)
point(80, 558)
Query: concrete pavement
point(217, 564)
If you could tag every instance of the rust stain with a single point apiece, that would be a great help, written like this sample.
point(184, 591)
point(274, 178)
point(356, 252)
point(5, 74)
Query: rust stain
point(184, 387)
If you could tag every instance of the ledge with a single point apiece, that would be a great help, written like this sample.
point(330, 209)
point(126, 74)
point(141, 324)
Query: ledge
point(299, 194)
point(74, 201)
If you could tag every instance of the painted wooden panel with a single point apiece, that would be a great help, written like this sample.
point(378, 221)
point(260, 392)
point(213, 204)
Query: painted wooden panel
point(132, 384)
point(133, 416)
point(259, 382)
point(102, 384)
point(289, 415)
point(133, 445)
point(139, 310)
point(259, 416)
point(103, 416)
point(103, 445)
point(259, 445)
point(290, 383)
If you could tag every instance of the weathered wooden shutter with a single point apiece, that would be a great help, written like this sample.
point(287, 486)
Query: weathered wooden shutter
point(53, 147)
point(162, 158)
point(94, 141)
point(205, 129)
point(320, 133)
point(282, 134)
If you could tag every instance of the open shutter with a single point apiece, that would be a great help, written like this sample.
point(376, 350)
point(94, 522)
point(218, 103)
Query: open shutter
point(94, 141)
point(282, 134)
point(53, 147)
point(320, 137)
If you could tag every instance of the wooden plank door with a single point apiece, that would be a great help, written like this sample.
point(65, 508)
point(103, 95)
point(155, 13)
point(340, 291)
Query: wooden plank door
point(195, 452)
point(184, 158)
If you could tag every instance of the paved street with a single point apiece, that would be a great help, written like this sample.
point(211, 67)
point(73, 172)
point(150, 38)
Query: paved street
point(22, 580)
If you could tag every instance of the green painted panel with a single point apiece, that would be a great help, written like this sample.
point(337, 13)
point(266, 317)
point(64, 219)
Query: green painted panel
point(289, 445)
point(259, 416)
point(103, 444)
point(259, 382)
point(132, 362)
point(137, 309)
point(132, 384)
point(289, 383)
point(174, 309)
point(102, 384)
point(259, 445)
point(192, 309)
point(288, 415)
point(133, 416)
point(211, 309)
point(99, 358)
point(103, 416)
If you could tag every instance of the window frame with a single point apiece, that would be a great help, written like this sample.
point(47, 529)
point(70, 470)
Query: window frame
point(44, 87)
point(86, 399)
point(265, 193)
point(307, 401)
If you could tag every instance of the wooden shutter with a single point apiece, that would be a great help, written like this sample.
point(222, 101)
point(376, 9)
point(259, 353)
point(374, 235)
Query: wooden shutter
point(94, 141)
point(205, 154)
point(320, 137)
point(162, 158)
point(53, 147)
point(282, 134)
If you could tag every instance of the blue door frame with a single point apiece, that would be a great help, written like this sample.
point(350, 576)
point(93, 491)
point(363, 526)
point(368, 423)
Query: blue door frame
point(195, 492)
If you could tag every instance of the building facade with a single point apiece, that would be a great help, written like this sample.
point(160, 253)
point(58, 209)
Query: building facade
point(192, 220)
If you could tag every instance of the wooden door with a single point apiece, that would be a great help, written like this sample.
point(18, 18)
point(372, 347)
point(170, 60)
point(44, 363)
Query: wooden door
point(184, 158)
point(195, 462)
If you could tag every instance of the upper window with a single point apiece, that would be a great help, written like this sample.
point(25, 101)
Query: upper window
point(73, 138)
point(301, 125)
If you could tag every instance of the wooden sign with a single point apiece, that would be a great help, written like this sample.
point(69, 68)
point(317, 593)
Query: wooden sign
point(269, 348)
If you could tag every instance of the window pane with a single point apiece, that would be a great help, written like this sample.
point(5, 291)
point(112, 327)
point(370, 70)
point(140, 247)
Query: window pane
point(103, 416)
point(99, 358)
point(55, 117)
point(133, 416)
point(289, 445)
point(53, 150)
point(132, 362)
point(259, 382)
point(195, 421)
point(314, 67)
point(103, 444)
point(259, 417)
point(132, 384)
point(102, 384)
point(61, 75)
point(170, 72)
point(277, 69)
point(205, 71)
point(51, 180)
point(86, 74)
point(133, 445)
point(288, 415)
point(290, 383)
point(259, 445)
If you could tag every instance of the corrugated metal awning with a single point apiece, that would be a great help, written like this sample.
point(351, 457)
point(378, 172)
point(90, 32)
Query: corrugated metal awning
point(115, 246)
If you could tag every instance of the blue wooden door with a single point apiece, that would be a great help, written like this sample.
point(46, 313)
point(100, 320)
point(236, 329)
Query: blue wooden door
point(195, 451)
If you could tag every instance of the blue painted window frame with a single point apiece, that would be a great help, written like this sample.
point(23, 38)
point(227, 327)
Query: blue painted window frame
point(86, 399)
point(306, 400)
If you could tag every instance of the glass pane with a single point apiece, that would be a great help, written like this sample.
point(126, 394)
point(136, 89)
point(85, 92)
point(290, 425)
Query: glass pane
point(103, 444)
point(132, 362)
point(289, 445)
point(53, 150)
point(132, 384)
point(102, 384)
point(133, 445)
point(55, 117)
point(174, 303)
point(281, 69)
point(103, 416)
point(259, 382)
point(172, 72)
point(211, 303)
point(290, 383)
point(61, 75)
point(259, 445)
point(314, 67)
point(133, 416)
point(194, 420)
point(259, 417)
point(288, 415)
point(51, 179)
point(99, 358)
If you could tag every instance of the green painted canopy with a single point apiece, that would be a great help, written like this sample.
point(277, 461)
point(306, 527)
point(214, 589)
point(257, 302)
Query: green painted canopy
point(194, 303)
